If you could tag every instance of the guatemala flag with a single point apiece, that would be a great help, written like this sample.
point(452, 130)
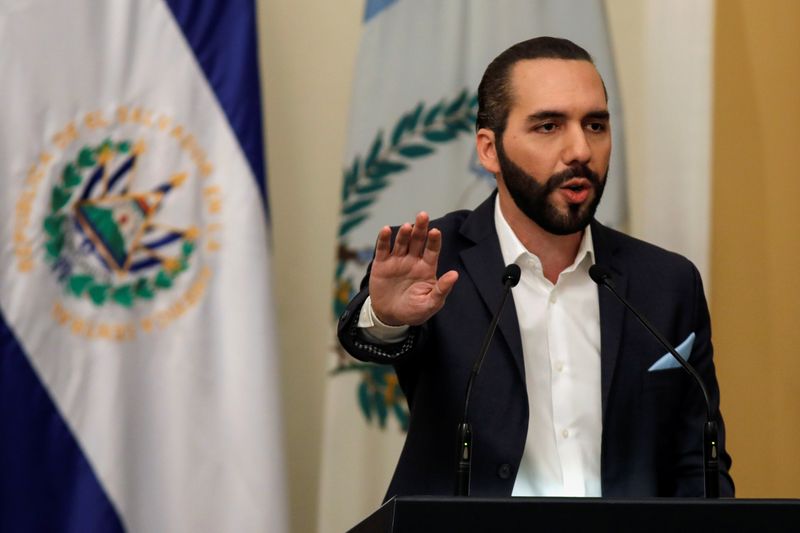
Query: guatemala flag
point(411, 147)
point(138, 362)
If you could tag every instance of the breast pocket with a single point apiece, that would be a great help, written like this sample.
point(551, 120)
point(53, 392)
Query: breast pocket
point(671, 378)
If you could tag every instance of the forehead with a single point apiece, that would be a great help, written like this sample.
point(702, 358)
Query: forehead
point(556, 85)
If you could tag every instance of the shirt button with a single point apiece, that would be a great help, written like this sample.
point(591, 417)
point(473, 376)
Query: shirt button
point(559, 367)
point(504, 471)
point(552, 297)
point(565, 433)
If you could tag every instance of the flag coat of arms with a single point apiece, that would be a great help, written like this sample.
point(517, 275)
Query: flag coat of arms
point(411, 148)
point(138, 362)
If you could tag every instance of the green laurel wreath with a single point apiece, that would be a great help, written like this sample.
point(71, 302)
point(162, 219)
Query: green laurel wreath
point(378, 393)
point(415, 135)
point(56, 223)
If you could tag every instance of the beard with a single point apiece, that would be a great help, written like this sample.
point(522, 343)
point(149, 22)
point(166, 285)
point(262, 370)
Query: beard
point(533, 197)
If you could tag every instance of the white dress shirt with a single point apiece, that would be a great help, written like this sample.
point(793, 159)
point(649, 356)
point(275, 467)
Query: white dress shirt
point(560, 330)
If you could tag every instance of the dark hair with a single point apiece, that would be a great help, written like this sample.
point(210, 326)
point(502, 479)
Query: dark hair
point(494, 91)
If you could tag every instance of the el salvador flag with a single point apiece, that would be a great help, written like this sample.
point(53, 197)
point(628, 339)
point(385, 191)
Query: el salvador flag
point(138, 358)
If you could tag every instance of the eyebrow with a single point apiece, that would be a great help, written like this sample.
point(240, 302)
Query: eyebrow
point(600, 114)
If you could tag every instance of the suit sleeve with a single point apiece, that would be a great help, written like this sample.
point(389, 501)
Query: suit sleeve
point(358, 346)
point(689, 459)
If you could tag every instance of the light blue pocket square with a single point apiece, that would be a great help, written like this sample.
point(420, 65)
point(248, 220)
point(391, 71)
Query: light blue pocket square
point(668, 361)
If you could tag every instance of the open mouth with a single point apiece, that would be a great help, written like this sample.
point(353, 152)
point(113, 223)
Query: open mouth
point(576, 184)
point(576, 190)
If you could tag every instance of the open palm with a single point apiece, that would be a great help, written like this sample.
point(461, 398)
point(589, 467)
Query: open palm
point(403, 286)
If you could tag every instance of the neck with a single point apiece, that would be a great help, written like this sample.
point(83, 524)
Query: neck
point(556, 252)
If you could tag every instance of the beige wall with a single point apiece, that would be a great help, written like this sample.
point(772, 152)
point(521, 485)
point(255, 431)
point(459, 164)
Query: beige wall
point(756, 240)
point(308, 50)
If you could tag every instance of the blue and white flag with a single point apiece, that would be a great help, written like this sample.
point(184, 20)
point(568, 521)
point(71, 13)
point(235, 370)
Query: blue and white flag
point(138, 362)
point(411, 147)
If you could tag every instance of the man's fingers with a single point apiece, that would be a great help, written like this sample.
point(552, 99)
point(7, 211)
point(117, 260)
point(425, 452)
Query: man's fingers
point(445, 284)
point(432, 247)
point(418, 235)
point(401, 240)
point(383, 245)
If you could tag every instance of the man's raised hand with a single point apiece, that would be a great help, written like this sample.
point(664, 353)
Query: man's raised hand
point(402, 283)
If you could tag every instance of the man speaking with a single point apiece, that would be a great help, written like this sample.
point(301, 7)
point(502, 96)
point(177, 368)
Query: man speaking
point(574, 398)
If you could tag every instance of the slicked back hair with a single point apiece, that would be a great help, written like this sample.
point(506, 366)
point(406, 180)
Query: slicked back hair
point(495, 91)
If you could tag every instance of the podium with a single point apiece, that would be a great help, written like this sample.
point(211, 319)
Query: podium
point(435, 514)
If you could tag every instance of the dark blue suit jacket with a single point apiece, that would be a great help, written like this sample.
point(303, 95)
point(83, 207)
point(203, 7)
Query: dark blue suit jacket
point(652, 421)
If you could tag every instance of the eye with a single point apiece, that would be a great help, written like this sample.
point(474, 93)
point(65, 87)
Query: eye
point(597, 127)
point(547, 127)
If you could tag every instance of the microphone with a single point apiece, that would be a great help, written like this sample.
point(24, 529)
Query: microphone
point(510, 279)
point(602, 276)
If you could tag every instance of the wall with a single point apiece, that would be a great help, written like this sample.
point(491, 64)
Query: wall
point(755, 244)
point(308, 50)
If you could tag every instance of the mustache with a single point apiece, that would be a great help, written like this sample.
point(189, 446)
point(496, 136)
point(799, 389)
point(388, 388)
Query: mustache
point(560, 178)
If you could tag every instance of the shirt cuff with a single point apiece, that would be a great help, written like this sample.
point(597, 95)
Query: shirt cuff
point(376, 331)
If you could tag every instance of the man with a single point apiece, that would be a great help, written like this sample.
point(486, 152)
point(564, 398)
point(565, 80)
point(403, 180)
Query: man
point(570, 400)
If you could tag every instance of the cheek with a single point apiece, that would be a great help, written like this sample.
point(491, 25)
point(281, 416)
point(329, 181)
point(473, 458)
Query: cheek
point(601, 153)
point(542, 166)
point(540, 160)
point(602, 147)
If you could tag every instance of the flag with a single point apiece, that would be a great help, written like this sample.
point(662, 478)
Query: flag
point(670, 106)
point(411, 148)
point(138, 362)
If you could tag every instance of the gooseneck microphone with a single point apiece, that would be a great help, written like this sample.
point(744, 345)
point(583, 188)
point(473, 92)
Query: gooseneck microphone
point(602, 276)
point(511, 277)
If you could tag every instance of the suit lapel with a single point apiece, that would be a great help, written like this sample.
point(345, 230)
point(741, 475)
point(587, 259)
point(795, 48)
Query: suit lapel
point(612, 312)
point(483, 263)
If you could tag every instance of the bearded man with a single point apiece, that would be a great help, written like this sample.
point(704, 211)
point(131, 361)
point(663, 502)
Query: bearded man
point(570, 400)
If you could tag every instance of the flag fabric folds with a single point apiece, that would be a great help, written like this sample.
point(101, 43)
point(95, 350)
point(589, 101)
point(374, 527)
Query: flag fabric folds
point(411, 148)
point(138, 359)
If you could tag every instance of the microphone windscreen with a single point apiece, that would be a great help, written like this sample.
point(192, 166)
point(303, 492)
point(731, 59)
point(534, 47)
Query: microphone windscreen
point(511, 275)
point(600, 275)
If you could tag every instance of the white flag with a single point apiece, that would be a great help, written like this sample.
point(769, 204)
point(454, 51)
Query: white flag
point(138, 368)
point(411, 148)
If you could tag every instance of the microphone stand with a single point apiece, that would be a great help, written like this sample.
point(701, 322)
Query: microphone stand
point(511, 277)
point(602, 277)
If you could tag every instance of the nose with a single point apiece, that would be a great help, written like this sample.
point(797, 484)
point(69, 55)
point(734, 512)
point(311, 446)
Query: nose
point(576, 147)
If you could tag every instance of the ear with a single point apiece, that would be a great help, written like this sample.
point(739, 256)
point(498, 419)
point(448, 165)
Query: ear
point(487, 150)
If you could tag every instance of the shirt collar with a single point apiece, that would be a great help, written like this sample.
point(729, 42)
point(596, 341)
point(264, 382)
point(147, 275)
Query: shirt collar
point(515, 252)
